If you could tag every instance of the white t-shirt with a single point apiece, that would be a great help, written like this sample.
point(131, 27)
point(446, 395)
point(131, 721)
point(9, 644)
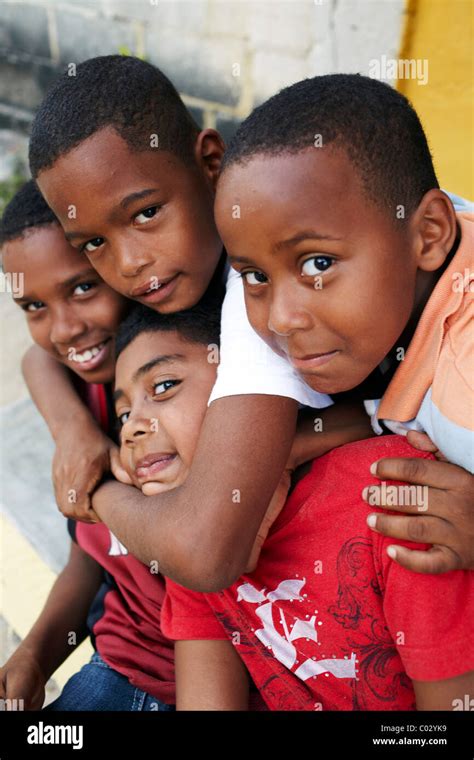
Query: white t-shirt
point(247, 365)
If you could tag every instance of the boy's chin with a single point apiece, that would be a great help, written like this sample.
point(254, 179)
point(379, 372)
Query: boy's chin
point(153, 487)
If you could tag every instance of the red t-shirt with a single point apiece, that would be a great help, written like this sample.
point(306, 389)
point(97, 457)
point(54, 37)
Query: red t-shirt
point(328, 620)
point(125, 617)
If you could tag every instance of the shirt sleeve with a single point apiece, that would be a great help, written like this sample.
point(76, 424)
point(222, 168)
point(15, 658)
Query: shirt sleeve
point(247, 365)
point(430, 618)
point(460, 204)
point(187, 615)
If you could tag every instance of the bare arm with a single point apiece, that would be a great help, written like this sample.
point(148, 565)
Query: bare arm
point(444, 695)
point(59, 629)
point(210, 676)
point(74, 430)
point(201, 533)
point(320, 430)
point(48, 381)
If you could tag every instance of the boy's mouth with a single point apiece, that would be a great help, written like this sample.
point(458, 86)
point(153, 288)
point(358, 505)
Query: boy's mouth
point(152, 464)
point(154, 290)
point(91, 357)
point(312, 361)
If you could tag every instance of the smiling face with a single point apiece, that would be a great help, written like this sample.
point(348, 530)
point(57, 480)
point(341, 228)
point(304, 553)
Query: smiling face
point(163, 383)
point(71, 313)
point(330, 279)
point(144, 219)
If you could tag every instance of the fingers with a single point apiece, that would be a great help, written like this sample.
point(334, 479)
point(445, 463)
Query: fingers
point(74, 496)
point(118, 470)
point(421, 441)
point(408, 498)
point(427, 472)
point(421, 529)
point(438, 559)
point(76, 508)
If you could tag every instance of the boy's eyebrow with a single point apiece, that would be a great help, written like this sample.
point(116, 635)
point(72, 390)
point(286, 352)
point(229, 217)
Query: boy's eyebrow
point(166, 358)
point(298, 238)
point(89, 272)
point(70, 236)
point(147, 367)
point(125, 202)
point(304, 235)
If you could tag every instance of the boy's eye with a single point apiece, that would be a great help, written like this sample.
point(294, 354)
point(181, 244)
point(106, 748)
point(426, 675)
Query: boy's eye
point(255, 278)
point(316, 265)
point(122, 418)
point(33, 306)
point(92, 245)
point(84, 287)
point(164, 386)
point(144, 216)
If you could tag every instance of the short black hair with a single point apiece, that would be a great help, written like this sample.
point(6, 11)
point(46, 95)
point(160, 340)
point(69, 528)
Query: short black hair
point(26, 210)
point(122, 92)
point(372, 122)
point(200, 324)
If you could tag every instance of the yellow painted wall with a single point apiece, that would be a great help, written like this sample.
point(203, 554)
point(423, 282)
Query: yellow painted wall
point(442, 32)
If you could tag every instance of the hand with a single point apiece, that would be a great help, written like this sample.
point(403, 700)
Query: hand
point(83, 454)
point(21, 678)
point(274, 508)
point(423, 442)
point(447, 523)
point(118, 470)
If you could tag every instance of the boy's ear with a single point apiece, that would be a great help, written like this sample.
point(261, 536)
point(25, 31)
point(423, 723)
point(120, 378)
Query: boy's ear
point(435, 230)
point(208, 151)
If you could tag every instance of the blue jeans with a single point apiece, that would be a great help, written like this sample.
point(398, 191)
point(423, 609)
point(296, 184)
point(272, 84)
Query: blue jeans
point(98, 687)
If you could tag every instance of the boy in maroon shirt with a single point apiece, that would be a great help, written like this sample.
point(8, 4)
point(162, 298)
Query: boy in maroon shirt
point(103, 591)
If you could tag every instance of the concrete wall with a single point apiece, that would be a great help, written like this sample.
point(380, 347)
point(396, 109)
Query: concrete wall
point(225, 56)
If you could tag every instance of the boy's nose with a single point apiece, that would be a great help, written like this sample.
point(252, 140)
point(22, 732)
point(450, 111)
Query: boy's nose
point(287, 314)
point(136, 427)
point(66, 328)
point(131, 259)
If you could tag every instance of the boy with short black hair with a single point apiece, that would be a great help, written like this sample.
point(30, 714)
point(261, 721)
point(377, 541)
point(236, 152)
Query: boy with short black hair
point(143, 214)
point(380, 266)
point(337, 282)
point(103, 591)
point(399, 246)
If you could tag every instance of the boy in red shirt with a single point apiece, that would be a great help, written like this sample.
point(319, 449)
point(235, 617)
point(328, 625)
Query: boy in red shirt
point(326, 620)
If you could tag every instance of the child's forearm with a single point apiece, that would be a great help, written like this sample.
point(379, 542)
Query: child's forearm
point(52, 391)
point(61, 626)
point(444, 695)
point(210, 676)
point(201, 534)
point(83, 451)
point(320, 430)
